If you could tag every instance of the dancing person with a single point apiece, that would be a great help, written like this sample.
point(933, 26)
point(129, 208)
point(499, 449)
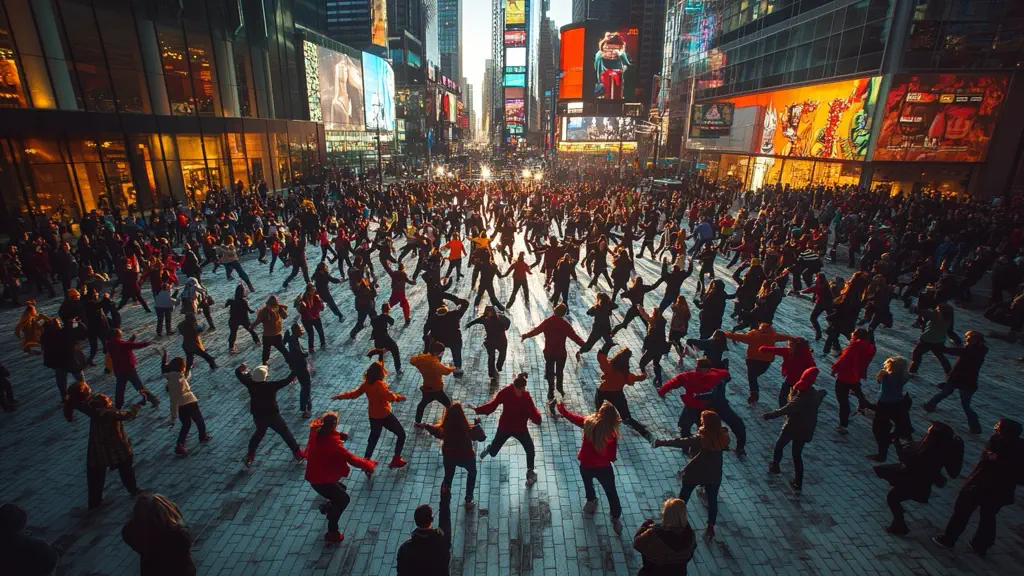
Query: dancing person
point(296, 359)
point(264, 409)
point(428, 551)
point(679, 325)
point(666, 548)
point(517, 409)
point(796, 359)
point(801, 414)
point(963, 376)
point(158, 533)
point(519, 270)
point(495, 340)
point(758, 362)
point(457, 451)
point(922, 464)
point(705, 466)
point(164, 302)
point(379, 398)
point(238, 317)
point(183, 403)
point(124, 365)
point(711, 303)
point(615, 376)
point(322, 280)
point(271, 316)
point(433, 371)
point(309, 305)
point(365, 302)
point(327, 462)
point(601, 312)
point(596, 454)
point(823, 301)
point(399, 280)
point(227, 253)
point(446, 327)
point(849, 369)
point(192, 343)
point(703, 378)
point(937, 323)
point(556, 331)
point(109, 446)
point(891, 421)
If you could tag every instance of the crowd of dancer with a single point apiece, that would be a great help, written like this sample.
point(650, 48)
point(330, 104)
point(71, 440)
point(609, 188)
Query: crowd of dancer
point(925, 252)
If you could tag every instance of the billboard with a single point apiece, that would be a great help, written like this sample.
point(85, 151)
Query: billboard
point(515, 12)
point(379, 23)
point(334, 84)
point(713, 115)
point(515, 38)
point(832, 120)
point(379, 93)
point(940, 117)
point(611, 54)
point(515, 80)
point(515, 57)
point(599, 129)
point(515, 111)
point(570, 63)
point(511, 93)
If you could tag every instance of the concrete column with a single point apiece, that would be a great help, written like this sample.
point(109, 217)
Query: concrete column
point(154, 67)
point(262, 82)
point(33, 62)
point(227, 79)
point(54, 52)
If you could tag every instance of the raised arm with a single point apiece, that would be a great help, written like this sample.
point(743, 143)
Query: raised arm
point(571, 416)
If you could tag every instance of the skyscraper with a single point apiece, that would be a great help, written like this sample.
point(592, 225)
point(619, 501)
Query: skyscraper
point(361, 24)
point(449, 37)
point(487, 100)
point(470, 114)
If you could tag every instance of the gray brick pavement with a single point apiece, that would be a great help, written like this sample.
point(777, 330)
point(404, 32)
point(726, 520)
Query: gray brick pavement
point(264, 521)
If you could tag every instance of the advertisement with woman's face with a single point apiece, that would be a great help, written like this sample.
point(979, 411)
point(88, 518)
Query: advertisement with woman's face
point(341, 90)
point(379, 93)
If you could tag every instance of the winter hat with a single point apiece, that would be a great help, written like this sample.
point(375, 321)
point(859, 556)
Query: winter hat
point(806, 379)
point(259, 373)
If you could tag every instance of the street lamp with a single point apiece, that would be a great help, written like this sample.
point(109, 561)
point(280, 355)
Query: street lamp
point(485, 173)
point(538, 176)
point(526, 173)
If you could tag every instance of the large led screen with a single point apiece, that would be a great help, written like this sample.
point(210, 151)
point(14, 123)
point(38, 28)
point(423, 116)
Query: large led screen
point(570, 63)
point(612, 55)
point(599, 129)
point(515, 38)
point(515, 57)
point(379, 95)
point(821, 121)
point(379, 26)
point(515, 111)
point(515, 80)
point(940, 117)
point(515, 12)
point(334, 83)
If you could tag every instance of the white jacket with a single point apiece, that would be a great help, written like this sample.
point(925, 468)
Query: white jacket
point(178, 391)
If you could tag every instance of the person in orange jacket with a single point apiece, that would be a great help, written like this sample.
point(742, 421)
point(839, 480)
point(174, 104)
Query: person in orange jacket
point(433, 371)
point(327, 462)
point(456, 250)
point(758, 362)
point(849, 369)
point(380, 398)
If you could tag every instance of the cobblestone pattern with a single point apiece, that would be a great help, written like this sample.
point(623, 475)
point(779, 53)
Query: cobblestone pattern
point(265, 520)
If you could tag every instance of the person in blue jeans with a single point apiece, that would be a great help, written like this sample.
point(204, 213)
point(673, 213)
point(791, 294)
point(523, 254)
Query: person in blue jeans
point(963, 376)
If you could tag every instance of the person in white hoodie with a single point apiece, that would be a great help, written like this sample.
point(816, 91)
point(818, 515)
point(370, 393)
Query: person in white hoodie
point(184, 403)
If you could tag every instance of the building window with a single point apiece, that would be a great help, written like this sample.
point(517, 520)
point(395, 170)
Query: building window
point(12, 91)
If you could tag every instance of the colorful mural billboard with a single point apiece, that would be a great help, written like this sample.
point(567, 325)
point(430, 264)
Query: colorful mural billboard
point(940, 117)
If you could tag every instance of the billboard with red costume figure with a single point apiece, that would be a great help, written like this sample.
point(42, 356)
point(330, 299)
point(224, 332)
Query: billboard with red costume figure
point(611, 58)
point(940, 117)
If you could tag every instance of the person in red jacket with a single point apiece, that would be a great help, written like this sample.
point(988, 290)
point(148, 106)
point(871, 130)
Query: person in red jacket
point(518, 409)
point(849, 369)
point(556, 331)
point(597, 452)
point(796, 358)
point(697, 381)
point(327, 462)
point(519, 270)
point(122, 359)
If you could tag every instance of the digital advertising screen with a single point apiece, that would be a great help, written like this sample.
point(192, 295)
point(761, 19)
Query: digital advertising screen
point(453, 102)
point(515, 38)
point(599, 129)
point(515, 57)
point(334, 83)
point(515, 80)
point(715, 115)
point(379, 26)
point(378, 93)
point(446, 105)
point(832, 120)
point(511, 93)
point(515, 12)
point(570, 63)
point(610, 53)
point(940, 117)
point(515, 111)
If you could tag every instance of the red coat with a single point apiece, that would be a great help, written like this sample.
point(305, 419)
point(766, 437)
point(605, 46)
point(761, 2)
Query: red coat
point(122, 354)
point(555, 330)
point(589, 456)
point(852, 365)
point(695, 382)
point(793, 365)
point(517, 409)
point(327, 459)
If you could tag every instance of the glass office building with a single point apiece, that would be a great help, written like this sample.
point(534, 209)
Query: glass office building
point(122, 104)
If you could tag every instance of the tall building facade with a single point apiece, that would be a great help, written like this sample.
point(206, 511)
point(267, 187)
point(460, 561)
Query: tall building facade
point(361, 24)
point(889, 95)
point(515, 50)
point(486, 101)
point(121, 105)
point(470, 114)
point(449, 41)
point(548, 63)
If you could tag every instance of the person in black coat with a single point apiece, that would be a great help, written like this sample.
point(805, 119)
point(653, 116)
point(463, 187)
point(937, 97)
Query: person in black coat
point(801, 419)
point(920, 468)
point(495, 339)
point(238, 316)
point(62, 351)
point(428, 551)
point(963, 376)
point(713, 347)
point(712, 307)
point(601, 312)
point(322, 279)
point(673, 281)
point(264, 409)
point(445, 327)
point(666, 548)
point(990, 486)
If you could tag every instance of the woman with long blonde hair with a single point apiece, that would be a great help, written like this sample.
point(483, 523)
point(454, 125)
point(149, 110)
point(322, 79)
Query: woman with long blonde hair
point(597, 452)
point(667, 547)
point(892, 409)
point(158, 533)
point(705, 466)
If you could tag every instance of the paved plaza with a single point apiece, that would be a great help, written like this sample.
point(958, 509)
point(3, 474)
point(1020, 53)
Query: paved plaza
point(265, 520)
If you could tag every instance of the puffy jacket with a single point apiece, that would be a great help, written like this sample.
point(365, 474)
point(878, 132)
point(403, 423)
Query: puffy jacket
point(555, 330)
point(695, 382)
point(755, 339)
point(801, 413)
point(517, 409)
point(378, 395)
point(433, 371)
point(613, 380)
point(665, 552)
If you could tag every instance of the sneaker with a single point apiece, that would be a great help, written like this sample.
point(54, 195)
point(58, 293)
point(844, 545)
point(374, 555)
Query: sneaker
point(397, 462)
point(617, 525)
point(180, 450)
point(469, 504)
point(590, 507)
point(773, 468)
point(205, 439)
point(299, 455)
point(841, 430)
point(945, 541)
point(531, 478)
point(796, 487)
point(334, 537)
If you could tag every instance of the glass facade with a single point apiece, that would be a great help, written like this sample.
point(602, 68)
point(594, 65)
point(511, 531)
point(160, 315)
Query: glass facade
point(124, 105)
